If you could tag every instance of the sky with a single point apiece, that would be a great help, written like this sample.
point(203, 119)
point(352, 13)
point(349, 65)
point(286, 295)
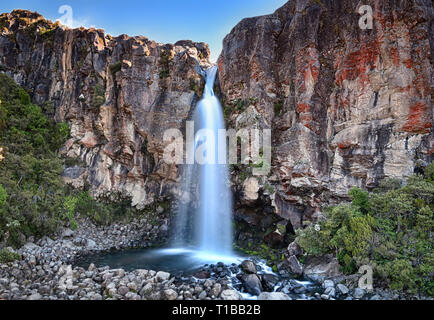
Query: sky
point(164, 21)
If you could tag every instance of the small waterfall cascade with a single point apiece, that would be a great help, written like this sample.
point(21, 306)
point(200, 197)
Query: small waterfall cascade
point(204, 217)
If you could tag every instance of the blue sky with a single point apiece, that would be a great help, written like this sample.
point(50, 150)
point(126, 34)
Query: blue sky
point(164, 21)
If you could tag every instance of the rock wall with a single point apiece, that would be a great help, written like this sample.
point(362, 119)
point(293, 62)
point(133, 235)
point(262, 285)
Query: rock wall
point(347, 107)
point(117, 94)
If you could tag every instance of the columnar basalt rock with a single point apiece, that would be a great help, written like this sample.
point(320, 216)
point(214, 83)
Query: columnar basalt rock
point(347, 107)
point(118, 94)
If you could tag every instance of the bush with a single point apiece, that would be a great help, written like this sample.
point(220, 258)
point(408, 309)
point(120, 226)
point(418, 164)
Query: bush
point(391, 229)
point(7, 256)
point(3, 196)
point(32, 193)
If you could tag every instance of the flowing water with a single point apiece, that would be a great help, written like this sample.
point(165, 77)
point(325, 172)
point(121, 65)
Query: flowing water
point(202, 232)
point(204, 218)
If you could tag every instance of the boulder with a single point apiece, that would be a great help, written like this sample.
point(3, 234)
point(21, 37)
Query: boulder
point(342, 288)
point(248, 266)
point(295, 266)
point(358, 293)
point(170, 294)
point(162, 276)
point(67, 233)
point(269, 281)
point(35, 296)
point(252, 284)
point(273, 296)
point(294, 249)
point(319, 268)
point(230, 295)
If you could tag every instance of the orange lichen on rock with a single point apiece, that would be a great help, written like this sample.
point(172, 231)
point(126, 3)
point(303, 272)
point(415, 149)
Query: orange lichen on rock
point(303, 107)
point(357, 63)
point(419, 119)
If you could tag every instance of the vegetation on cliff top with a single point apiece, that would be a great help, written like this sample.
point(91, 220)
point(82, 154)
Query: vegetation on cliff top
point(390, 229)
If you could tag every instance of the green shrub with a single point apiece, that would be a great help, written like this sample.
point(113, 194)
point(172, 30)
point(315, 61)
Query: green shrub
point(429, 172)
point(7, 256)
point(390, 228)
point(3, 196)
point(69, 207)
point(30, 173)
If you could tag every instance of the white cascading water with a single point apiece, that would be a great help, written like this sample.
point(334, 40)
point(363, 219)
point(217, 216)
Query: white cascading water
point(204, 219)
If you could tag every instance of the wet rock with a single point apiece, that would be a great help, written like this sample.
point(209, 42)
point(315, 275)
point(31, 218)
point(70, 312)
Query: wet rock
point(202, 274)
point(252, 284)
point(269, 281)
point(248, 266)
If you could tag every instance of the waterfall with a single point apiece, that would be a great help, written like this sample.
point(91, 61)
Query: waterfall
point(204, 217)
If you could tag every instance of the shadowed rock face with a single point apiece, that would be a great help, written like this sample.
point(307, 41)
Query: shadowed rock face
point(347, 107)
point(117, 94)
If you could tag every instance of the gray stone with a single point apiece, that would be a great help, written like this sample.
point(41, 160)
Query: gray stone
point(252, 284)
point(35, 296)
point(358, 293)
point(230, 295)
point(162, 276)
point(294, 249)
point(248, 266)
point(30, 246)
point(342, 288)
point(328, 283)
point(295, 266)
point(216, 289)
point(123, 290)
point(67, 233)
point(147, 288)
point(273, 296)
point(202, 295)
point(171, 294)
point(330, 291)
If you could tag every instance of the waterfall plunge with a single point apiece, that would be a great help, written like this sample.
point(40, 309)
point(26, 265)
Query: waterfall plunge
point(204, 219)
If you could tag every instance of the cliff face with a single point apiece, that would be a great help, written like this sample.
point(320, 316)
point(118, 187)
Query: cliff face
point(347, 107)
point(117, 94)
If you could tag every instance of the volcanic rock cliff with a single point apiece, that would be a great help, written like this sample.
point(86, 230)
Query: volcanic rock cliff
point(347, 107)
point(118, 95)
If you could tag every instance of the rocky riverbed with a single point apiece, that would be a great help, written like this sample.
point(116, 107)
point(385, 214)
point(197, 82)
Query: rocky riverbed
point(47, 271)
